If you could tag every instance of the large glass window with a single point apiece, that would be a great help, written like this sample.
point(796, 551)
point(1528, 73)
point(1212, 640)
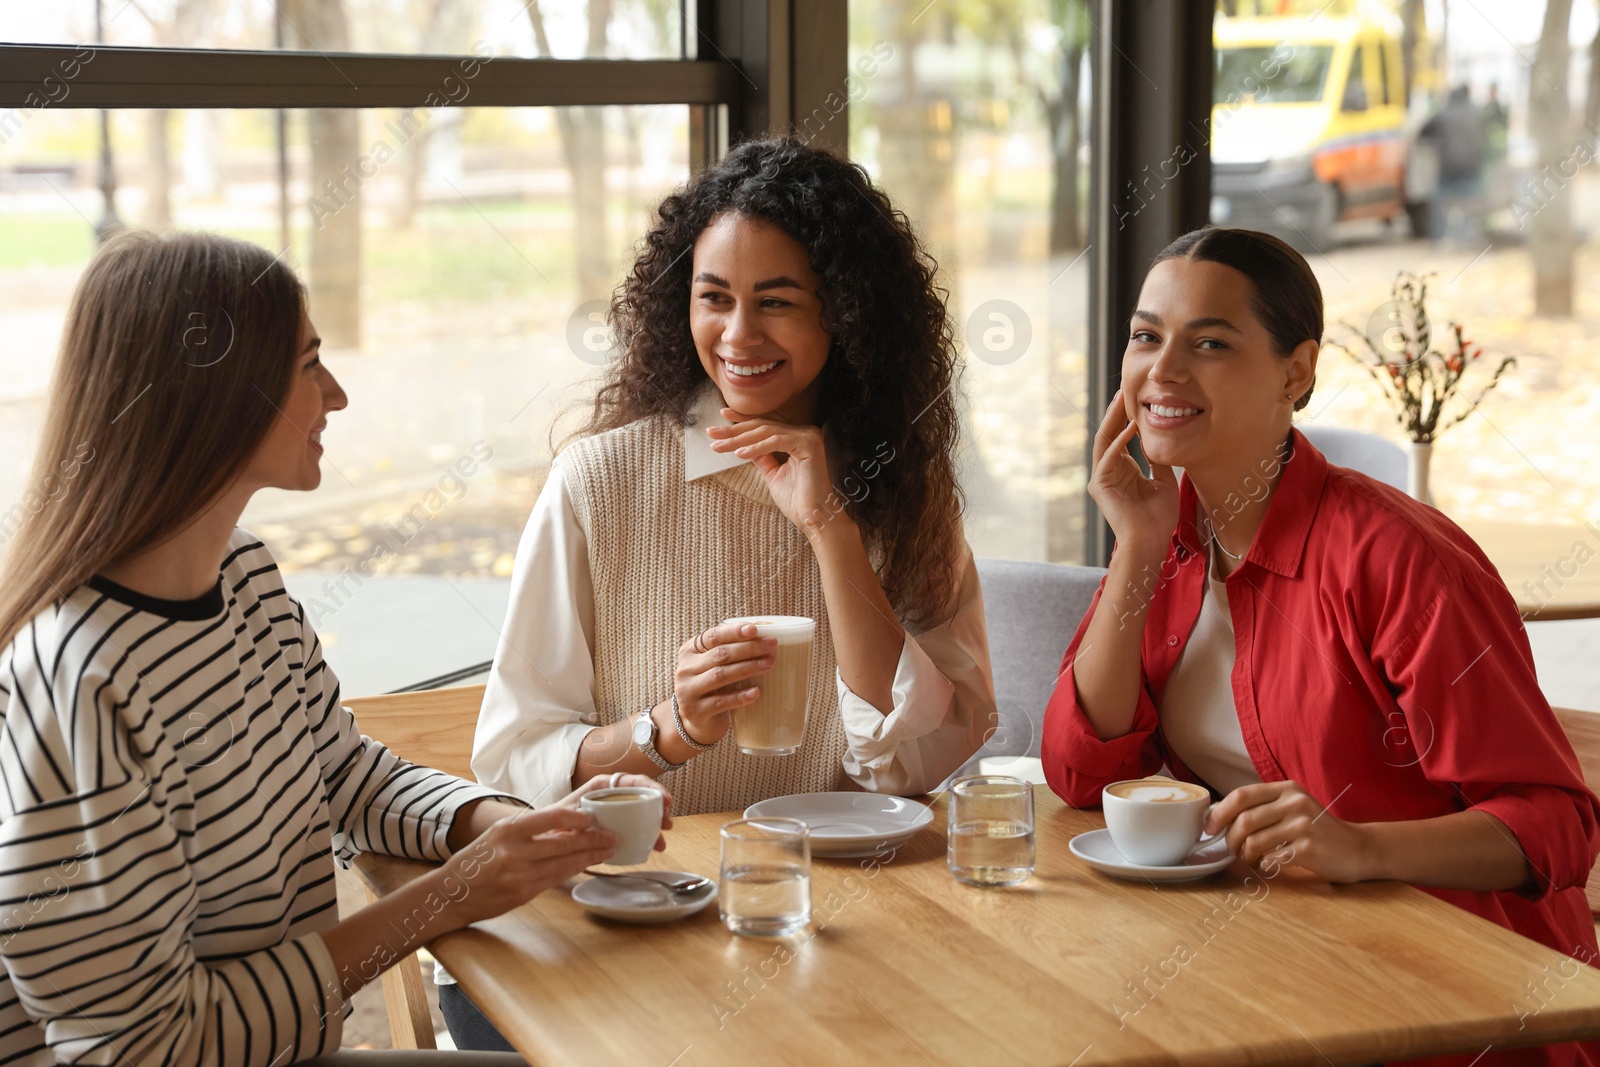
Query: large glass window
point(974, 118)
point(1470, 168)
point(1506, 237)
point(456, 260)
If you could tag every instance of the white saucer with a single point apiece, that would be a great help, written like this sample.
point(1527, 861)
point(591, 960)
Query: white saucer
point(630, 901)
point(849, 824)
point(1095, 849)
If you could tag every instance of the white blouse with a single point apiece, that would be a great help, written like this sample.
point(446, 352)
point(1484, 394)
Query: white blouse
point(539, 702)
point(1198, 716)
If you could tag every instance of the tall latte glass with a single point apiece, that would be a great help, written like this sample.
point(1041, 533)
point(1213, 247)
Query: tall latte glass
point(775, 724)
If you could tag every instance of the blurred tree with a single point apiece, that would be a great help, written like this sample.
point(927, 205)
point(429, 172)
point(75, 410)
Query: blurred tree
point(1591, 105)
point(583, 144)
point(1057, 83)
point(185, 26)
point(916, 119)
point(443, 27)
point(1551, 242)
point(335, 264)
point(1413, 32)
point(1064, 109)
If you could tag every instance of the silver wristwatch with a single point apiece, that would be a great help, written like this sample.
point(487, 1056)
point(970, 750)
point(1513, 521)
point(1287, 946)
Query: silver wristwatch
point(644, 736)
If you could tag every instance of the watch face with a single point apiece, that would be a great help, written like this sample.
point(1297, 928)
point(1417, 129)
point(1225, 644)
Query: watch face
point(643, 730)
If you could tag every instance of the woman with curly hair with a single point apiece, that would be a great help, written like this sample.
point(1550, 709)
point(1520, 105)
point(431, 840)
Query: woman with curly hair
point(776, 436)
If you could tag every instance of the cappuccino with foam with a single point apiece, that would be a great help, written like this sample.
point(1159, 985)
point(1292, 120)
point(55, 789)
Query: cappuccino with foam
point(776, 723)
point(1157, 791)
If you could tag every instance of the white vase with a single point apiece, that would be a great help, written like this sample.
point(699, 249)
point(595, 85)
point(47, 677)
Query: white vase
point(1420, 456)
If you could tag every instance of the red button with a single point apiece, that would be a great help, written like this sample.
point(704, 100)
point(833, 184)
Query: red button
point(1172, 641)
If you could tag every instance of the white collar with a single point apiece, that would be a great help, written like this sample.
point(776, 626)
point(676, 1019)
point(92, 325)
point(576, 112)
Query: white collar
point(698, 459)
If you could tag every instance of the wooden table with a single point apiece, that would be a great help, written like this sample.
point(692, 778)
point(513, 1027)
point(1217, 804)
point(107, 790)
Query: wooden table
point(1552, 571)
point(903, 965)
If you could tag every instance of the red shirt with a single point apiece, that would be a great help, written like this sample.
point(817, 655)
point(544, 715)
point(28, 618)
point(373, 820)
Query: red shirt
point(1382, 665)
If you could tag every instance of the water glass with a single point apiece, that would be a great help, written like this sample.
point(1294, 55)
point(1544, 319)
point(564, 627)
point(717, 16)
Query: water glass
point(991, 830)
point(766, 877)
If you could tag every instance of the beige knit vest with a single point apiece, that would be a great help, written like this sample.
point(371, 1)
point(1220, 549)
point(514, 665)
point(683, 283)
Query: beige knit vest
point(669, 558)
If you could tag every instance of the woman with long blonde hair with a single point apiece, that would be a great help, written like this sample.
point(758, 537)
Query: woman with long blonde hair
point(176, 770)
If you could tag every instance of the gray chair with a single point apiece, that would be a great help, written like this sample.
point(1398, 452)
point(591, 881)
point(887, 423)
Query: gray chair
point(1376, 457)
point(1032, 611)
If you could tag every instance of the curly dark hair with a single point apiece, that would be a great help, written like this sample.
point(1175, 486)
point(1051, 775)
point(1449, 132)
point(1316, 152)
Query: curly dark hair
point(892, 365)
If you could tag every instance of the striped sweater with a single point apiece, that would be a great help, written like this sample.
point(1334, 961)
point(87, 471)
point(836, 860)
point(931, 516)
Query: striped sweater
point(175, 779)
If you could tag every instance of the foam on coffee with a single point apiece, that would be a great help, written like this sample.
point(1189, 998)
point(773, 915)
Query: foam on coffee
point(787, 629)
point(1158, 790)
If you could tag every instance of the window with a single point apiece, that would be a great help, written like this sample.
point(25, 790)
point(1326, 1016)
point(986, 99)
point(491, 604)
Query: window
point(457, 258)
point(975, 120)
point(1355, 82)
point(1511, 260)
point(1280, 73)
point(1382, 49)
point(1505, 239)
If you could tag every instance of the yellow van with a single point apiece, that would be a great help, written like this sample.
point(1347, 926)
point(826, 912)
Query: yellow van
point(1308, 125)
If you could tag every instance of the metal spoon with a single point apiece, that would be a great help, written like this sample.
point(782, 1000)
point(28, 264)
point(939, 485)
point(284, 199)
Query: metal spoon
point(678, 883)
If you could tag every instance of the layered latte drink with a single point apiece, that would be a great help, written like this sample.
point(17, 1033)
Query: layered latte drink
point(775, 724)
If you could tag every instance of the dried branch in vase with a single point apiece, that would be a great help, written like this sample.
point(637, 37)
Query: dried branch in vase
point(1421, 381)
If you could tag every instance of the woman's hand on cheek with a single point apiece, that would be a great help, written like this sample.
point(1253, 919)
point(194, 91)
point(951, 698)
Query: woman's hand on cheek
point(1141, 510)
point(799, 481)
point(1279, 824)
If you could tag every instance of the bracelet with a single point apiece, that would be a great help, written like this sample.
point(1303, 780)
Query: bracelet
point(677, 722)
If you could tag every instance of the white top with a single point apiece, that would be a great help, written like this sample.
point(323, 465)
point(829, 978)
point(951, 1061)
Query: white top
point(1198, 715)
point(539, 702)
point(175, 778)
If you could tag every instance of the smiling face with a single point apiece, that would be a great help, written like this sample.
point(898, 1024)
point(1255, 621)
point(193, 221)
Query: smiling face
point(289, 456)
point(757, 319)
point(1201, 375)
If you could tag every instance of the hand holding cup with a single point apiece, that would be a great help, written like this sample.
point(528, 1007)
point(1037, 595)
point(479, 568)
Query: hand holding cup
point(714, 675)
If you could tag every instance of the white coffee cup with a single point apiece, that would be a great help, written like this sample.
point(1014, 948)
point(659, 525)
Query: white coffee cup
point(633, 813)
point(1156, 821)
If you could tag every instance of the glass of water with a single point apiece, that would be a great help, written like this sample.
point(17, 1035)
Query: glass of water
point(991, 830)
point(766, 877)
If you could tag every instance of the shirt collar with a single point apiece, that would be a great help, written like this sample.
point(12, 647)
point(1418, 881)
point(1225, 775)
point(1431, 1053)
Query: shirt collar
point(1280, 542)
point(698, 459)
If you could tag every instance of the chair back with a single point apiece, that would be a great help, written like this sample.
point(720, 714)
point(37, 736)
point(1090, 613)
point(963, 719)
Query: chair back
point(432, 728)
point(1032, 610)
point(1583, 732)
point(1376, 457)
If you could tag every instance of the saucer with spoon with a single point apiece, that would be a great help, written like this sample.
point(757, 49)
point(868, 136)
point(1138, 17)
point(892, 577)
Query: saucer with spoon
point(644, 896)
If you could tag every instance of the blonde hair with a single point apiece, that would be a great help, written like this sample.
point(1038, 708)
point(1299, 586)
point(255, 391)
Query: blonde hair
point(176, 352)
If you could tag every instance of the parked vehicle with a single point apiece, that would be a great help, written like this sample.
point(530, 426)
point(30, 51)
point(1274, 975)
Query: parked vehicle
point(1309, 127)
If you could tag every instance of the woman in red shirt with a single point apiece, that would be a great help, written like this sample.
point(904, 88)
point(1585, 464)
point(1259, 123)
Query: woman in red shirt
point(1340, 663)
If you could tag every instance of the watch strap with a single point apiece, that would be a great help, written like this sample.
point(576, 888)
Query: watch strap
point(648, 745)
